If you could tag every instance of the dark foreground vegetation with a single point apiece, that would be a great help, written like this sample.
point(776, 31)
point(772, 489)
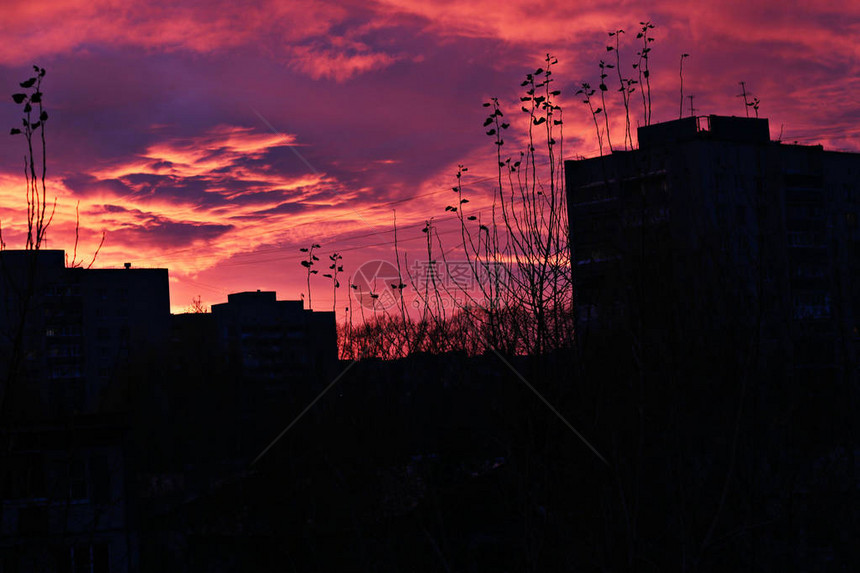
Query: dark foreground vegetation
point(449, 463)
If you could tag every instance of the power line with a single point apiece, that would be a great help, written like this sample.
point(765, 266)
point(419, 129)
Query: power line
point(347, 249)
point(166, 254)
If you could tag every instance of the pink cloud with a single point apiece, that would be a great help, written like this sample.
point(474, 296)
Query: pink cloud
point(338, 64)
point(58, 26)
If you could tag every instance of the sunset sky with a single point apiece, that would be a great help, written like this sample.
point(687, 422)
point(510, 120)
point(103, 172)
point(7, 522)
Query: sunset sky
point(216, 139)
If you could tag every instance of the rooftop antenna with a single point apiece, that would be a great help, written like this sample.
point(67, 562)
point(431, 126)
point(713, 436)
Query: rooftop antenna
point(692, 109)
point(681, 73)
point(744, 94)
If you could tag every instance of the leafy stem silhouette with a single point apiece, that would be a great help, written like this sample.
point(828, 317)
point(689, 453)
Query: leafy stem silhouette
point(33, 120)
point(308, 264)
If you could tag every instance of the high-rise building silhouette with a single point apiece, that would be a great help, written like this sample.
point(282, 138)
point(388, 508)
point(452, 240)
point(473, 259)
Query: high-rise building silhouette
point(79, 328)
point(717, 306)
point(275, 341)
point(69, 340)
point(709, 226)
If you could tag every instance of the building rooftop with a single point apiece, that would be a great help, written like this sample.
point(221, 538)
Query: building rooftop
point(710, 127)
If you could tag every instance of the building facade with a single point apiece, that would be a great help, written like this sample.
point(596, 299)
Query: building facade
point(69, 338)
point(710, 227)
point(65, 333)
point(716, 290)
point(275, 341)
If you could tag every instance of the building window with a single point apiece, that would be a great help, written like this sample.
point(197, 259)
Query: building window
point(85, 558)
point(811, 305)
point(100, 479)
point(810, 271)
point(805, 239)
point(22, 476)
point(77, 480)
point(8, 560)
point(68, 330)
point(803, 212)
point(32, 520)
point(64, 351)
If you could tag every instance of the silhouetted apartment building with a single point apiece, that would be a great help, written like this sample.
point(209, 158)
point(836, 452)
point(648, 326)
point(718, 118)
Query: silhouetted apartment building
point(710, 230)
point(275, 341)
point(717, 295)
point(67, 332)
point(64, 498)
point(69, 338)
